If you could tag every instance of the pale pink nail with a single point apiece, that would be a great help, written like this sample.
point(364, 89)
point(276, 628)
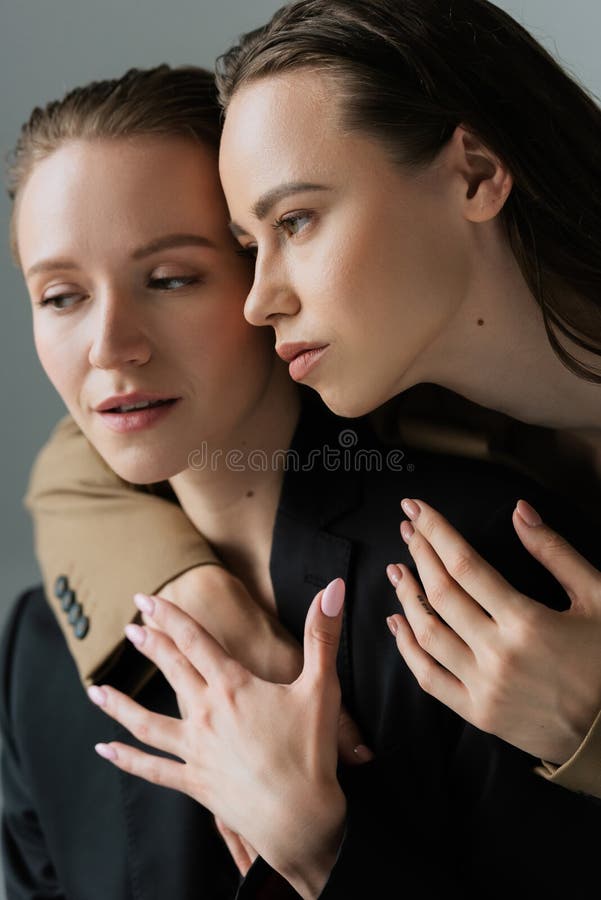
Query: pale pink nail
point(394, 574)
point(333, 598)
point(97, 695)
point(407, 531)
point(136, 634)
point(411, 509)
point(363, 753)
point(106, 751)
point(393, 625)
point(145, 603)
point(528, 514)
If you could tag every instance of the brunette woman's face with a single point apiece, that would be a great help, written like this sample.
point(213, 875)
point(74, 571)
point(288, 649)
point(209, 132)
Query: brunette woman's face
point(138, 289)
point(354, 254)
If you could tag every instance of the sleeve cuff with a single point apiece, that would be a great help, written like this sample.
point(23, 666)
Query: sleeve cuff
point(582, 772)
point(264, 883)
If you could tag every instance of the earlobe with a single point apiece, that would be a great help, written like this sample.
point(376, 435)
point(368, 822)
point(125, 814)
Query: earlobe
point(487, 180)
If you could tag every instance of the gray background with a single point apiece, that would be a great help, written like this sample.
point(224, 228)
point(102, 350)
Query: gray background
point(49, 46)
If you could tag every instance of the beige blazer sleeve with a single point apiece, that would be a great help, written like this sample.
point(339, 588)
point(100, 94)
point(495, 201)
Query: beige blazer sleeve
point(582, 772)
point(99, 540)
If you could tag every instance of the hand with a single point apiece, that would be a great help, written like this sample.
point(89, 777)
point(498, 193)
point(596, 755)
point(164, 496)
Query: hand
point(220, 602)
point(504, 662)
point(246, 744)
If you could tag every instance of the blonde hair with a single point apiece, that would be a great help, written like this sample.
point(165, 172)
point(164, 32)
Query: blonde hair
point(180, 101)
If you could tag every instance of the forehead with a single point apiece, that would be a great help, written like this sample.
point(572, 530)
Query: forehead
point(118, 188)
point(293, 115)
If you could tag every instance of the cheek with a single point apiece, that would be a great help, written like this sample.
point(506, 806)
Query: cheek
point(50, 356)
point(218, 344)
point(61, 362)
point(345, 278)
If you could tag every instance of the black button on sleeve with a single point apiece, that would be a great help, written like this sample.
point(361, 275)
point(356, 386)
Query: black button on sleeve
point(74, 613)
point(61, 585)
point(67, 600)
point(81, 628)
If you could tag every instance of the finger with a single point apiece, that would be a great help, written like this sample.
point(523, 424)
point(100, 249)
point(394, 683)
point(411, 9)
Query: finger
point(236, 846)
point(431, 677)
point(575, 574)
point(198, 646)
point(461, 612)
point(156, 769)
point(323, 626)
point(477, 577)
point(158, 731)
point(351, 746)
point(431, 633)
point(162, 651)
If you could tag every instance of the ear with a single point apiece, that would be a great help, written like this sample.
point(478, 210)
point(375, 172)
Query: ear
point(486, 180)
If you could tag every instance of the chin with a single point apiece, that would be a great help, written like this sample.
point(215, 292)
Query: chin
point(138, 467)
point(347, 404)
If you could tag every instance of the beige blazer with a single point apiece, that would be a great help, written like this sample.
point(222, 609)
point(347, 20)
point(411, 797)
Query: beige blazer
point(99, 539)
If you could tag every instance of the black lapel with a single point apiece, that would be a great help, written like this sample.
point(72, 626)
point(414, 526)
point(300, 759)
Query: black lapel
point(320, 487)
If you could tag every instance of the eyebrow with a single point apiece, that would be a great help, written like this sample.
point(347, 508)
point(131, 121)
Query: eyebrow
point(163, 243)
point(267, 201)
point(173, 240)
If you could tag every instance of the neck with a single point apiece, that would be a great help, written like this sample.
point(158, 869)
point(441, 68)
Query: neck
point(495, 350)
point(232, 492)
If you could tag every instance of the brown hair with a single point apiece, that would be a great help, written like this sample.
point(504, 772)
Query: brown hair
point(179, 101)
point(407, 72)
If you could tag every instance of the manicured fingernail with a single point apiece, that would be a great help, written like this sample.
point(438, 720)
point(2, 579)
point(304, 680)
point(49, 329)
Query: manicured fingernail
point(97, 695)
point(106, 751)
point(394, 574)
point(144, 603)
point(363, 753)
point(528, 514)
point(333, 598)
point(407, 531)
point(136, 634)
point(393, 625)
point(411, 509)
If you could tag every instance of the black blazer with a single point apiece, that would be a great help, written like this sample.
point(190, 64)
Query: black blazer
point(443, 807)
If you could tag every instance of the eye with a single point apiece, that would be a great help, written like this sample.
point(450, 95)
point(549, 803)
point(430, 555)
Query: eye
point(249, 252)
point(61, 302)
point(172, 282)
point(293, 223)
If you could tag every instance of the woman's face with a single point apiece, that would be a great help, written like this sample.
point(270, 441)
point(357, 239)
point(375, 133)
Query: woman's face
point(354, 255)
point(137, 289)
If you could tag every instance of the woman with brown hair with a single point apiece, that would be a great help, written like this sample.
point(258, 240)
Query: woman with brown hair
point(442, 225)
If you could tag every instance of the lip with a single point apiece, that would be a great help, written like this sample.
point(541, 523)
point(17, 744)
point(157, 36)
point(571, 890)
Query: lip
point(130, 399)
point(304, 360)
point(289, 352)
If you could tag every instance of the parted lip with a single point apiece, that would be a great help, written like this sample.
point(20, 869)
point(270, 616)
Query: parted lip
point(130, 400)
point(288, 352)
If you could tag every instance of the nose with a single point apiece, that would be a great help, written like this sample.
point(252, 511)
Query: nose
point(119, 339)
point(271, 295)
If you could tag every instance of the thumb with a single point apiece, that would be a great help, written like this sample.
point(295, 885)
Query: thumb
point(575, 574)
point(352, 749)
point(323, 626)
